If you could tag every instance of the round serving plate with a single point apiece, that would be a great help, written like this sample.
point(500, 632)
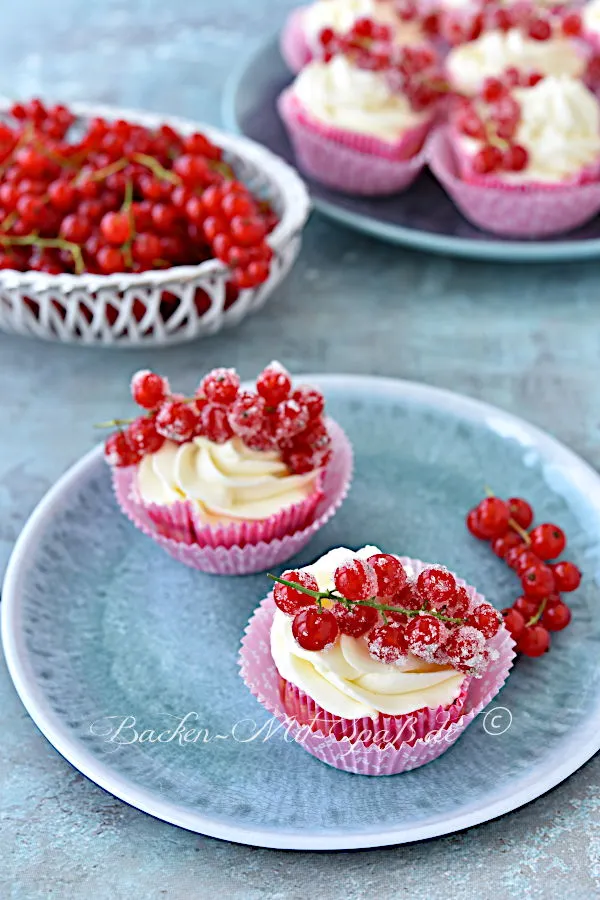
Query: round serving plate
point(423, 217)
point(112, 644)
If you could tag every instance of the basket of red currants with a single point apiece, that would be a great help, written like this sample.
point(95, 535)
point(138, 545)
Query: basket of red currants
point(131, 229)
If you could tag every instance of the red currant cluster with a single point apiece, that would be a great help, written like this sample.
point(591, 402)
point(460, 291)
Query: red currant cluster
point(493, 117)
point(535, 23)
point(276, 417)
point(540, 609)
point(122, 198)
point(413, 71)
point(432, 617)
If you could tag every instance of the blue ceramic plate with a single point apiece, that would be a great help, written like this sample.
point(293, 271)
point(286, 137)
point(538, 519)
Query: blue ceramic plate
point(111, 643)
point(422, 217)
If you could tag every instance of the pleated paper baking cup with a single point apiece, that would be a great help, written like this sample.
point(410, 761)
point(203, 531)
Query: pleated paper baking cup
point(294, 47)
point(244, 547)
point(362, 746)
point(350, 162)
point(526, 211)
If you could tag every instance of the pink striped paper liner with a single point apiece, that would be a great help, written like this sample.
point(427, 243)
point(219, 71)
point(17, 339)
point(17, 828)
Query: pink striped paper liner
point(528, 211)
point(294, 47)
point(350, 162)
point(239, 549)
point(349, 744)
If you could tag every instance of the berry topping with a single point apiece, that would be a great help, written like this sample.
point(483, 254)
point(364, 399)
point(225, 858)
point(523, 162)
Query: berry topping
point(274, 384)
point(391, 575)
point(437, 587)
point(389, 644)
point(143, 435)
point(220, 386)
point(534, 640)
point(466, 649)
point(355, 621)
point(458, 604)
point(567, 576)
point(215, 424)
point(425, 635)
point(176, 421)
point(247, 414)
point(547, 541)
point(148, 389)
point(291, 419)
point(356, 580)
point(290, 601)
point(310, 399)
point(119, 451)
point(315, 630)
point(485, 619)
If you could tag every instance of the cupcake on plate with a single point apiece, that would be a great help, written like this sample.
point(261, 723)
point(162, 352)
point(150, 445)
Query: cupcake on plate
point(538, 41)
point(376, 663)
point(358, 117)
point(300, 38)
point(230, 481)
point(523, 160)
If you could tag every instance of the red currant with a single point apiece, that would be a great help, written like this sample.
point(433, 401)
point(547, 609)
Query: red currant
point(566, 576)
point(538, 581)
point(274, 384)
point(473, 525)
point(548, 541)
point(437, 587)
point(290, 601)
point(215, 424)
point(487, 160)
point(116, 227)
point(572, 25)
point(315, 630)
point(556, 617)
point(142, 434)
point(291, 419)
point(515, 158)
point(311, 399)
point(119, 451)
point(176, 421)
point(148, 389)
point(356, 580)
point(520, 511)
point(493, 515)
point(514, 622)
point(391, 574)
point(220, 386)
point(425, 635)
point(465, 648)
point(506, 542)
point(389, 644)
point(534, 640)
point(355, 621)
point(485, 619)
point(539, 30)
point(247, 414)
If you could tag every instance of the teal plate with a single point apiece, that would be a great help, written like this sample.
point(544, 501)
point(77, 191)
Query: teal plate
point(110, 642)
point(423, 217)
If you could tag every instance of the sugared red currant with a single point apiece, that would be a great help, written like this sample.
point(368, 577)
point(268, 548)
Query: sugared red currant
point(148, 389)
point(389, 644)
point(119, 451)
point(274, 384)
point(437, 587)
point(391, 574)
point(220, 386)
point(355, 621)
point(315, 630)
point(142, 434)
point(290, 601)
point(485, 619)
point(356, 580)
point(176, 421)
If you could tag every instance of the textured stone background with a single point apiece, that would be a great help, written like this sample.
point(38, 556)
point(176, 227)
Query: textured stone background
point(524, 337)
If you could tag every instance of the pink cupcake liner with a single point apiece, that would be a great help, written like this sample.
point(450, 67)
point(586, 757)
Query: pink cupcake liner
point(354, 745)
point(239, 549)
point(528, 211)
point(294, 47)
point(349, 162)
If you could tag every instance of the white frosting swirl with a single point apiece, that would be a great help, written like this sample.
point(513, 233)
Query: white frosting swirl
point(559, 128)
point(496, 51)
point(345, 679)
point(345, 96)
point(591, 17)
point(227, 481)
point(342, 14)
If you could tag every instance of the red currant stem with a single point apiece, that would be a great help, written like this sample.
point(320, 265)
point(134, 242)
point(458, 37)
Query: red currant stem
point(101, 174)
point(8, 221)
point(222, 168)
point(114, 423)
point(381, 607)
point(23, 139)
point(55, 157)
point(156, 168)
point(56, 243)
point(127, 209)
point(536, 618)
point(513, 524)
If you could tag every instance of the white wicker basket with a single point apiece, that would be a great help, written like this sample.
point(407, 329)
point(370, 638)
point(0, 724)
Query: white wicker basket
point(165, 306)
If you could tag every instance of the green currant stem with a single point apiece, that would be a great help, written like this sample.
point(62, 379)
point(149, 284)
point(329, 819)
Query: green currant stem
point(156, 168)
point(126, 208)
point(114, 423)
point(101, 174)
point(536, 618)
point(10, 219)
point(55, 243)
point(381, 607)
point(513, 524)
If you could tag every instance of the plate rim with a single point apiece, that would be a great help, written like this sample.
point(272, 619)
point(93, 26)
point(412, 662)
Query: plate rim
point(148, 801)
point(448, 245)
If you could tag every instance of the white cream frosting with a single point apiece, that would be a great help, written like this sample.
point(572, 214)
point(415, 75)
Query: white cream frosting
point(342, 14)
point(559, 128)
point(345, 96)
point(227, 481)
point(345, 679)
point(495, 51)
point(591, 17)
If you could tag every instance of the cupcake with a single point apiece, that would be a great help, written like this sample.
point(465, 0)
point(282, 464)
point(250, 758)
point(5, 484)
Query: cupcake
point(524, 160)
point(358, 117)
point(376, 663)
point(230, 481)
point(539, 46)
point(300, 39)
